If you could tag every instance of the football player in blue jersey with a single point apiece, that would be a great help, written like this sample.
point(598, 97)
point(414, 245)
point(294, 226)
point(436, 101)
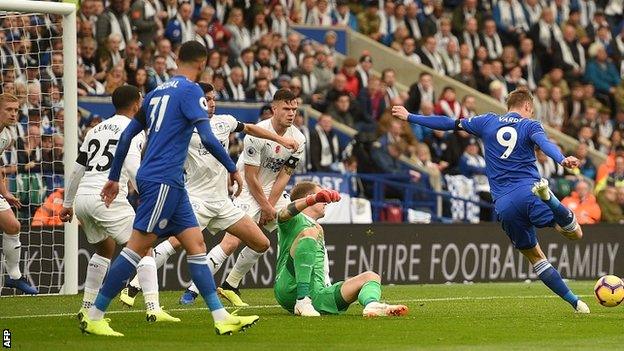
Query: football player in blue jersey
point(522, 200)
point(169, 113)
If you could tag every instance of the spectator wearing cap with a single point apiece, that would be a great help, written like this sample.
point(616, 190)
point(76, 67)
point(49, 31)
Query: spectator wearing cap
point(583, 203)
point(349, 69)
point(369, 20)
point(324, 147)
point(342, 15)
point(180, 29)
point(114, 20)
point(146, 16)
point(603, 74)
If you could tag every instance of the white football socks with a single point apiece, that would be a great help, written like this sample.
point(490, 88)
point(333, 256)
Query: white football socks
point(220, 315)
point(246, 259)
point(96, 271)
point(161, 253)
point(11, 247)
point(146, 273)
point(216, 257)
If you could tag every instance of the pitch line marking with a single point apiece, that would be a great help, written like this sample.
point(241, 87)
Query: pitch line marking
point(440, 299)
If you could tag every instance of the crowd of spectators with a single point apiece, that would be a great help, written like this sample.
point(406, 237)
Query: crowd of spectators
point(568, 52)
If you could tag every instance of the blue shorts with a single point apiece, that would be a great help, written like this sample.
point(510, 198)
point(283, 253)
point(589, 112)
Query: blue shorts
point(163, 210)
point(519, 212)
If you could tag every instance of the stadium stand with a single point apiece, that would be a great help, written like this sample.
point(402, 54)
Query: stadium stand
point(456, 58)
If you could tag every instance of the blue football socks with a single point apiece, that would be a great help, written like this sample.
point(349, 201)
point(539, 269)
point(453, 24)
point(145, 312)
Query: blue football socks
point(563, 216)
point(198, 266)
point(120, 271)
point(551, 277)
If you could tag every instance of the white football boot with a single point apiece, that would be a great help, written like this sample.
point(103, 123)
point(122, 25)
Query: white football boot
point(304, 308)
point(377, 309)
point(581, 307)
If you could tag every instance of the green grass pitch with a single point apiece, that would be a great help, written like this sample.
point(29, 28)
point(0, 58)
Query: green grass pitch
point(501, 316)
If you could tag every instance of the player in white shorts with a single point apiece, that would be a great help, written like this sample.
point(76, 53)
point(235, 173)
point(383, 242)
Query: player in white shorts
point(10, 227)
point(105, 227)
point(267, 169)
point(207, 186)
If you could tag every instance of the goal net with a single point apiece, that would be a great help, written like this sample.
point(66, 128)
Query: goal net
point(38, 65)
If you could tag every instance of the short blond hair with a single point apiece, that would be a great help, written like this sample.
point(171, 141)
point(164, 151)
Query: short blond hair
point(6, 97)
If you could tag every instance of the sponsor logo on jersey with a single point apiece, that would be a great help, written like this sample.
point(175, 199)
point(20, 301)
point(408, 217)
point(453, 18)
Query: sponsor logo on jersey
point(274, 164)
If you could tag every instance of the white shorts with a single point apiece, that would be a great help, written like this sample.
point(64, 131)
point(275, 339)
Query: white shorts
point(4, 205)
point(100, 222)
point(216, 215)
point(249, 205)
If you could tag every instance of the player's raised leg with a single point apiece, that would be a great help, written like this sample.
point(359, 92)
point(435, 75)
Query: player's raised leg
point(565, 219)
point(225, 323)
point(366, 289)
point(552, 279)
point(11, 247)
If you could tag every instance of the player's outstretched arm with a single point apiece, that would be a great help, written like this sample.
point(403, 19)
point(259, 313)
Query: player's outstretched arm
point(295, 207)
point(67, 213)
point(550, 149)
point(433, 122)
point(262, 133)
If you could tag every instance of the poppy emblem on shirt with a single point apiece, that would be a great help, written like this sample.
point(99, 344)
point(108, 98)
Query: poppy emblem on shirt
point(277, 149)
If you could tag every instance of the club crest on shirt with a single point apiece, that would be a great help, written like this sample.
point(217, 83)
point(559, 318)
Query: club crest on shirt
point(251, 151)
point(163, 223)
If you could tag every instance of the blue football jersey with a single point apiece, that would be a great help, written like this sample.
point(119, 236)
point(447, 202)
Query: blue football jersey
point(509, 149)
point(170, 112)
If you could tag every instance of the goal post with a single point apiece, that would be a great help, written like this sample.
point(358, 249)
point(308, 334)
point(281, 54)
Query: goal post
point(70, 124)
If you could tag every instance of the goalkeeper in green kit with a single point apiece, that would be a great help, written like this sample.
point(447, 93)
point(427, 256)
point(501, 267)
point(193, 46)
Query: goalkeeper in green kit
point(300, 283)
